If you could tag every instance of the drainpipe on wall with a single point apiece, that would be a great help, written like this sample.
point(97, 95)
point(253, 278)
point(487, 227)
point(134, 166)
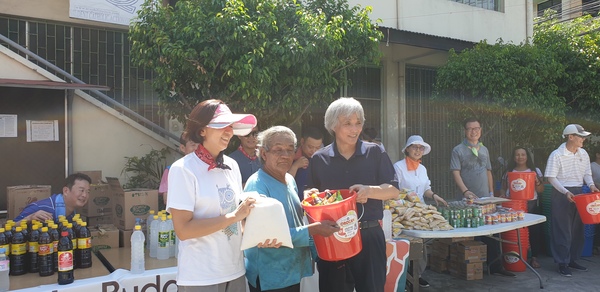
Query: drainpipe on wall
point(69, 132)
point(397, 15)
point(529, 21)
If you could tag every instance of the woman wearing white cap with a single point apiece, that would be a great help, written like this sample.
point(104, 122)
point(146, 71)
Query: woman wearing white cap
point(412, 175)
point(204, 199)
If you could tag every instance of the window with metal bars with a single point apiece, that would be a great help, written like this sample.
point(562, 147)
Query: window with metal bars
point(496, 5)
point(94, 55)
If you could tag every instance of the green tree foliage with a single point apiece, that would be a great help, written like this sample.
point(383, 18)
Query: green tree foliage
point(533, 87)
point(576, 46)
point(273, 58)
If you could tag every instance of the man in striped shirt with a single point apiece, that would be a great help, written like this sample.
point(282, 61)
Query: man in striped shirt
point(567, 169)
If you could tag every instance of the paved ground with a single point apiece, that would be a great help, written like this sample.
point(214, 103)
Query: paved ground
point(525, 281)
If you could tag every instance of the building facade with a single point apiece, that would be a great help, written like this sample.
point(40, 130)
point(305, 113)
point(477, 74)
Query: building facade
point(396, 94)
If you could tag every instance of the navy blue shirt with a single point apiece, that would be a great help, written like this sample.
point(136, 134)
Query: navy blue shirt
point(301, 181)
point(369, 165)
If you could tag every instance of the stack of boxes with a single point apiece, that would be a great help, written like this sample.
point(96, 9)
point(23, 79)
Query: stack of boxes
point(111, 212)
point(461, 257)
point(130, 205)
point(18, 197)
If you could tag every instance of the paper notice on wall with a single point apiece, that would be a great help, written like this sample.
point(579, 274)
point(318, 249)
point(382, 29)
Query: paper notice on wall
point(110, 11)
point(8, 126)
point(42, 131)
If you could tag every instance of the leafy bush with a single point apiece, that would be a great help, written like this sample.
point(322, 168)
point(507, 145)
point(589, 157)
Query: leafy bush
point(146, 171)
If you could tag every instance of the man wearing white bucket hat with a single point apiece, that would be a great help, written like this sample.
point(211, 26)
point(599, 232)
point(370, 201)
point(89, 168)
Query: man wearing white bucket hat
point(567, 168)
point(413, 176)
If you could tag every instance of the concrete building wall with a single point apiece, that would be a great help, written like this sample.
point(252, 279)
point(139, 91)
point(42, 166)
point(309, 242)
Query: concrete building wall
point(102, 137)
point(452, 19)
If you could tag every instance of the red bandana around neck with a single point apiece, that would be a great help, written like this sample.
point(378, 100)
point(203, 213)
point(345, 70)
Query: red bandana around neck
point(207, 158)
point(246, 154)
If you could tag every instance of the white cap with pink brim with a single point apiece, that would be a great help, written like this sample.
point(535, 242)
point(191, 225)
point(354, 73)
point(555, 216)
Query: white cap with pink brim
point(242, 123)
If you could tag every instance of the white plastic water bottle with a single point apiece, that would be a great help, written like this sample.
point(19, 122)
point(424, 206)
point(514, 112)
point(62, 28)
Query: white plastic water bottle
point(387, 223)
point(153, 238)
point(149, 227)
point(164, 235)
point(4, 269)
point(137, 251)
point(172, 238)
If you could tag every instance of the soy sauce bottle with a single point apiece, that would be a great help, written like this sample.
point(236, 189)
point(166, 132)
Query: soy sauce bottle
point(18, 257)
point(65, 259)
point(83, 253)
point(55, 235)
point(45, 254)
point(32, 249)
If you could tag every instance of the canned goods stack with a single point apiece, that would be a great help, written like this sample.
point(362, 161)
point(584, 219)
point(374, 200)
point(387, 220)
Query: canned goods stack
point(464, 216)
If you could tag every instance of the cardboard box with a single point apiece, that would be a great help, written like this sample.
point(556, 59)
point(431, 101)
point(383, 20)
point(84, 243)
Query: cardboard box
point(95, 175)
point(440, 249)
point(437, 264)
point(100, 201)
point(104, 236)
point(98, 220)
point(468, 252)
point(472, 271)
point(18, 197)
point(132, 204)
point(125, 238)
point(455, 239)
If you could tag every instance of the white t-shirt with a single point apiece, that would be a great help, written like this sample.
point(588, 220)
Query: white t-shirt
point(416, 180)
point(214, 258)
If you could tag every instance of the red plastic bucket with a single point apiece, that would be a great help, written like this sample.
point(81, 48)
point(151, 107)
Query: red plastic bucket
point(511, 262)
point(521, 185)
point(588, 206)
point(345, 243)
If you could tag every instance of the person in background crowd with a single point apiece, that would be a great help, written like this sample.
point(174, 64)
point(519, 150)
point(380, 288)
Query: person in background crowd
point(567, 169)
point(281, 269)
point(186, 147)
point(204, 200)
point(413, 175)
point(247, 154)
point(522, 161)
point(370, 135)
point(472, 171)
point(350, 163)
point(311, 141)
point(595, 166)
point(76, 192)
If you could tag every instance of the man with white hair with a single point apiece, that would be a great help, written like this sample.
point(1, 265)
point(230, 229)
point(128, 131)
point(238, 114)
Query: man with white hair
point(567, 168)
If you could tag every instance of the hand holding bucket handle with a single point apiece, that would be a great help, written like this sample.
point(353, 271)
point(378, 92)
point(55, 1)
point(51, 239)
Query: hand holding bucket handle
point(362, 193)
point(570, 197)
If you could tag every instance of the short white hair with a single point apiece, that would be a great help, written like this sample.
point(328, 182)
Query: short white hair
point(265, 137)
point(342, 107)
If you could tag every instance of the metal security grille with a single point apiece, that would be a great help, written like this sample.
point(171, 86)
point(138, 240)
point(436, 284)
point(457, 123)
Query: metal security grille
point(94, 55)
point(366, 87)
point(429, 119)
